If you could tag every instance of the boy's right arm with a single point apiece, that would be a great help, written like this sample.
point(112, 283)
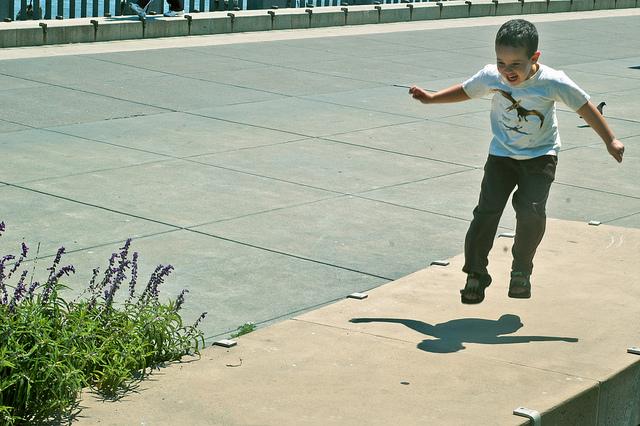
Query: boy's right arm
point(452, 94)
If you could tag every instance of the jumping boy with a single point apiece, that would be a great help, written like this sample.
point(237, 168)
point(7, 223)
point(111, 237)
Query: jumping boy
point(522, 153)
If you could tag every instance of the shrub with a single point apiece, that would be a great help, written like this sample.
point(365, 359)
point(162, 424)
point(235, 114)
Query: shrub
point(51, 348)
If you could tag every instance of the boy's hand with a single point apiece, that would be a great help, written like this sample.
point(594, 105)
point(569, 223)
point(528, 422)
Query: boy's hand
point(595, 119)
point(452, 94)
point(616, 149)
point(420, 94)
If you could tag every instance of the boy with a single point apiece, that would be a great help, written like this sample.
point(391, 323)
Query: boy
point(523, 151)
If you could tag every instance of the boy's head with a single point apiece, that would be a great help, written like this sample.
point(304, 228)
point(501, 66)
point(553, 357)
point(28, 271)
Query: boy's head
point(517, 50)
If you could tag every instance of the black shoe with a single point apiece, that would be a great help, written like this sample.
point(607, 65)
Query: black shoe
point(519, 286)
point(473, 291)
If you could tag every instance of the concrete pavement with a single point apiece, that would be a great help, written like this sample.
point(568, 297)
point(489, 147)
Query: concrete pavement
point(411, 354)
point(281, 175)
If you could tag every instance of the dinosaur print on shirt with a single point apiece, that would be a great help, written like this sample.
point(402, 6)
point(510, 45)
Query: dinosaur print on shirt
point(520, 110)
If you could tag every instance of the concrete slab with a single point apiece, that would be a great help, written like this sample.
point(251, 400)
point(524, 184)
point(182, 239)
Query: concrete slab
point(340, 377)
point(446, 39)
point(631, 221)
point(380, 71)
point(575, 133)
point(605, 174)
point(7, 126)
point(598, 50)
point(473, 119)
point(302, 116)
point(463, 63)
point(356, 47)
point(59, 155)
point(190, 94)
point(222, 277)
point(39, 218)
point(53, 105)
point(623, 105)
point(594, 83)
point(176, 61)
point(333, 166)
point(398, 100)
point(289, 82)
point(450, 143)
point(8, 82)
point(341, 233)
point(68, 71)
point(162, 191)
point(269, 53)
point(581, 345)
point(427, 342)
point(178, 134)
point(620, 67)
point(454, 195)
point(580, 204)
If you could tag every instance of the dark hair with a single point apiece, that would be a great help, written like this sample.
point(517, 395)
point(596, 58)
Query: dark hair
point(518, 33)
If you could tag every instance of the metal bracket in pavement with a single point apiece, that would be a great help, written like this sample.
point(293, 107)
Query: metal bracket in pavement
point(532, 415)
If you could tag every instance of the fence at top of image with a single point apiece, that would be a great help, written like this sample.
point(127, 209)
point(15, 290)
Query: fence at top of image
point(22, 10)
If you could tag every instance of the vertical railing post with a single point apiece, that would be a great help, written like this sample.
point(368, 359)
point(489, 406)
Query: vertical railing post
point(118, 8)
point(202, 9)
point(23, 10)
point(83, 8)
point(192, 5)
point(72, 9)
point(47, 9)
point(94, 9)
point(60, 8)
point(106, 8)
point(11, 10)
point(37, 14)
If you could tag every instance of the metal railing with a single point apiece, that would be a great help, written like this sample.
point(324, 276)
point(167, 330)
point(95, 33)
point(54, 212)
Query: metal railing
point(69, 9)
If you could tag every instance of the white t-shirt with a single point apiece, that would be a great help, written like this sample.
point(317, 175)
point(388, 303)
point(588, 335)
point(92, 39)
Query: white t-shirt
point(523, 117)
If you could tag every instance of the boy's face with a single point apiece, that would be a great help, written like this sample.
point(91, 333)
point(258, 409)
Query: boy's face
point(514, 65)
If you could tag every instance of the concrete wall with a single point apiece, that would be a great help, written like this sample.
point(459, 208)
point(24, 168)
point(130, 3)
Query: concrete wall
point(30, 33)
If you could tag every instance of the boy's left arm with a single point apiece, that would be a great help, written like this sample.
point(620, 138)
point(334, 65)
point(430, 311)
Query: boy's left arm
point(592, 116)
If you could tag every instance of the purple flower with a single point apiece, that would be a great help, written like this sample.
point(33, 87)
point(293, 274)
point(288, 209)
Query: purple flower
point(65, 270)
point(157, 278)
point(20, 291)
point(23, 256)
point(54, 276)
point(180, 299)
point(32, 289)
point(134, 274)
point(199, 320)
point(5, 296)
point(109, 272)
point(3, 276)
point(92, 283)
point(54, 265)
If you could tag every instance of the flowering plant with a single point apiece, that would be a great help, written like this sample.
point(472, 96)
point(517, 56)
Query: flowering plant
point(51, 348)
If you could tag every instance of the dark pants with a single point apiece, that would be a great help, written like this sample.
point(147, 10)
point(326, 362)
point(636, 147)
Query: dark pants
point(175, 5)
point(501, 175)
